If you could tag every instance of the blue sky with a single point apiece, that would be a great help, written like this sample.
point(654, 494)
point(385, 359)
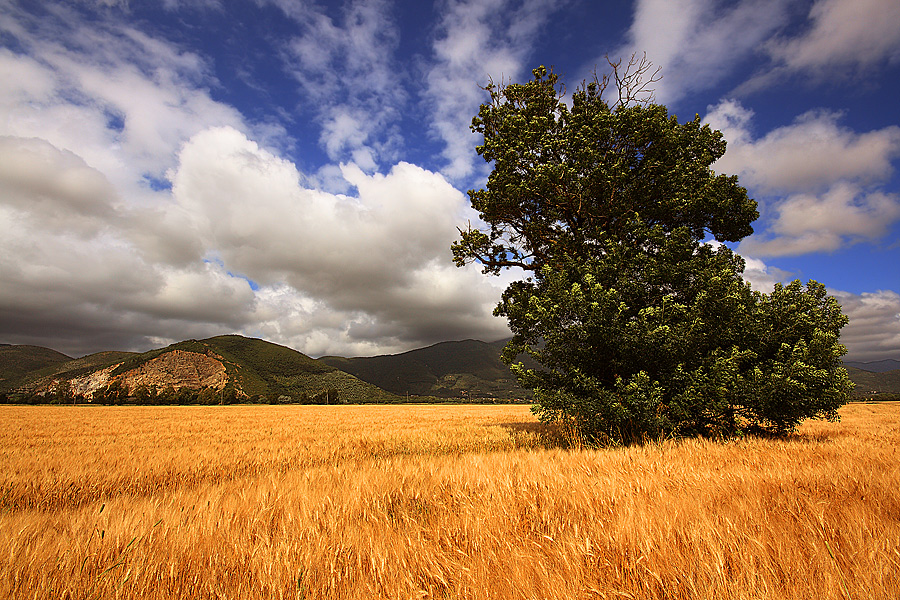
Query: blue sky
point(296, 170)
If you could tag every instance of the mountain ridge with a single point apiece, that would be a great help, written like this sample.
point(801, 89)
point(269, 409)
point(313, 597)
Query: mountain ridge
point(18, 360)
point(243, 368)
point(460, 369)
point(463, 368)
point(875, 366)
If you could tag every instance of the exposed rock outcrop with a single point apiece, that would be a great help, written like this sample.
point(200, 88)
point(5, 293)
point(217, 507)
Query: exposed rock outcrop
point(92, 382)
point(178, 368)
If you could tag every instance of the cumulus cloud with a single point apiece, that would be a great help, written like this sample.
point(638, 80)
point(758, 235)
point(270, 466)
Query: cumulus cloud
point(841, 216)
point(812, 153)
point(92, 289)
point(121, 100)
point(819, 180)
point(874, 329)
point(72, 273)
point(326, 273)
point(381, 253)
point(763, 277)
point(57, 186)
point(138, 211)
point(92, 257)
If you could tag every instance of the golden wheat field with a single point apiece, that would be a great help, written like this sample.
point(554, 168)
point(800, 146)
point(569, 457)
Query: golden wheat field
point(436, 502)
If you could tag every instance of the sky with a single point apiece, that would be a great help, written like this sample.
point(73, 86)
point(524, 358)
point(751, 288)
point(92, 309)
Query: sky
point(296, 170)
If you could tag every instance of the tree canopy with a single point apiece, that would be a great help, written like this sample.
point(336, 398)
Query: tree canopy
point(640, 324)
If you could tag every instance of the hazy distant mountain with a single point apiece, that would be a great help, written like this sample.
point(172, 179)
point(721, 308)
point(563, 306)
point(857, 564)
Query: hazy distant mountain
point(869, 383)
point(468, 368)
point(878, 366)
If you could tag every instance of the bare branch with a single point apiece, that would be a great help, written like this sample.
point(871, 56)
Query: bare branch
point(633, 81)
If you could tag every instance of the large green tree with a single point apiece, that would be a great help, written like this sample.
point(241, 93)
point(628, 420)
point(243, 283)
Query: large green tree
point(638, 324)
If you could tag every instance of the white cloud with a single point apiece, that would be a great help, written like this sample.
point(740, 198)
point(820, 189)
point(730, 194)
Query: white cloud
point(843, 33)
point(697, 42)
point(347, 73)
point(71, 270)
point(91, 254)
point(841, 216)
point(88, 289)
point(812, 153)
point(367, 273)
point(58, 186)
point(763, 277)
point(819, 180)
point(478, 40)
point(381, 254)
point(347, 131)
point(96, 258)
point(121, 100)
point(874, 329)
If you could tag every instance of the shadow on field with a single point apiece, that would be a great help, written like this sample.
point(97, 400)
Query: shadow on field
point(563, 436)
point(551, 435)
point(810, 438)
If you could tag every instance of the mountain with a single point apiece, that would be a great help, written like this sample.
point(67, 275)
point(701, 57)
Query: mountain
point(878, 366)
point(877, 379)
point(71, 369)
point(253, 367)
point(869, 383)
point(250, 367)
point(17, 361)
point(468, 368)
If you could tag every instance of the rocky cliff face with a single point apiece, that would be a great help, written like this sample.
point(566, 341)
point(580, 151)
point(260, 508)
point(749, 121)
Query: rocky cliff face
point(91, 382)
point(178, 368)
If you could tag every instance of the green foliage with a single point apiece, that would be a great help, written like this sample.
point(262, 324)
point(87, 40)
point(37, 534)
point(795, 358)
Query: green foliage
point(639, 328)
point(114, 393)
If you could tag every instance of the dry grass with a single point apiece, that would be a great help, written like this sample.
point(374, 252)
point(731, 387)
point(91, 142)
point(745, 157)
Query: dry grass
point(442, 502)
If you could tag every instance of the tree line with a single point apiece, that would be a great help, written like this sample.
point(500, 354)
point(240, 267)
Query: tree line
point(118, 393)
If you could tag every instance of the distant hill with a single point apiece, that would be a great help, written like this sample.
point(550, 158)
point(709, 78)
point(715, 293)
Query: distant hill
point(17, 361)
point(468, 368)
point(252, 367)
point(878, 366)
point(869, 383)
point(266, 368)
point(71, 369)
